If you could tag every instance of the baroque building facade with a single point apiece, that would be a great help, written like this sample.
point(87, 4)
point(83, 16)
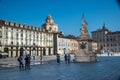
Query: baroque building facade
point(49, 25)
point(15, 38)
point(107, 40)
point(112, 42)
point(99, 36)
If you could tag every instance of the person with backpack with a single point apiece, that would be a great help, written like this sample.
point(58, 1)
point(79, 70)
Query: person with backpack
point(21, 67)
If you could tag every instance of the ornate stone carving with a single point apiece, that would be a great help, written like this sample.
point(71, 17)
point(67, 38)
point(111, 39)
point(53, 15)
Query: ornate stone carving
point(85, 53)
point(83, 31)
point(82, 45)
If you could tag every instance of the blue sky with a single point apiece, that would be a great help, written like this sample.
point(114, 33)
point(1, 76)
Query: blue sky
point(66, 13)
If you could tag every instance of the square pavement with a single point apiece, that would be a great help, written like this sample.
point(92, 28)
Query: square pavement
point(107, 68)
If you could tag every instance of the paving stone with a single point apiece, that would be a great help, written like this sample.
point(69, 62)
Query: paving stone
point(108, 68)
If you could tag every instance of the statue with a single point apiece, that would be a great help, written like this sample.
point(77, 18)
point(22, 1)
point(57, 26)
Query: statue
point(82, 45)
point(85, 53)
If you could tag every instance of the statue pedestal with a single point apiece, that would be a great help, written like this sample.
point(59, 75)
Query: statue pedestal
point(85, 52)
point(85, 56)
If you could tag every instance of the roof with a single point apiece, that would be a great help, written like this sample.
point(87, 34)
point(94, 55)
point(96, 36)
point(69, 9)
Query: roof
point(101, 30)
point(110, 33)
point(68, 37)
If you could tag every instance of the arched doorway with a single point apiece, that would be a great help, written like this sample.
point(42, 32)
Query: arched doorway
point(21, 51)
point(6, 50)
point(17, 51)
point(44, 51)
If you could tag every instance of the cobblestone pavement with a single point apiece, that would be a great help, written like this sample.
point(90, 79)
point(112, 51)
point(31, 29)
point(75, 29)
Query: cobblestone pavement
point(107, 68)
point(12, 62)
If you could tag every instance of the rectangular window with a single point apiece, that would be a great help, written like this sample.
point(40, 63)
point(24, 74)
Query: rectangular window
point(7, 23)
point(21, 25)
point(0, 33)
point(16, 34)
point(0, 27)
point(21, 35)
point(107, 45)
point(0, 42)
point(6, 34)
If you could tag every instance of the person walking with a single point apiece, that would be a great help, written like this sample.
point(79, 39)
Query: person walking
point(27, 62)
point(58, 58)
point(65, 57)
point(108, 52)
point(33, 55)
point(68, 58)
point(24, 56)
point(20, 59)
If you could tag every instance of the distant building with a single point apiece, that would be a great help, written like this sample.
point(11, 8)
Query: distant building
point(67, 44)
point(106, 39)
point(94, 46)
point(99, 36)
point(112, 41)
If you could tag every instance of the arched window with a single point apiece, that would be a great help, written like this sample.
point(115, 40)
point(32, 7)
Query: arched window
point(11, 42)
point(0, 43)
point(0, 33)
point(6, 49)
point(17, 43)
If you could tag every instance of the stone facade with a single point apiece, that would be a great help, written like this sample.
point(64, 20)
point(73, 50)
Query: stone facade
point(107, 40)
point(49, 25)
point(99, 36)
point(15, 38)
point(67, 44)
point(83, 30)
point(85, 52)
point(112, 42)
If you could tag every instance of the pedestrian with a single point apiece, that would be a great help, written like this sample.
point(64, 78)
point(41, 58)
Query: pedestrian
point(68, 58)
point(27, 62)
point(58, 58)
point(20, 58)
point(65, 57)
point(108, 52)
point(24, 56)
point(33, 55)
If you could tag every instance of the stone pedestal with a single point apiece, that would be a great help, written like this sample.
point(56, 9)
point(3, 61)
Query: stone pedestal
point(85, 56)
point(85, 52)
